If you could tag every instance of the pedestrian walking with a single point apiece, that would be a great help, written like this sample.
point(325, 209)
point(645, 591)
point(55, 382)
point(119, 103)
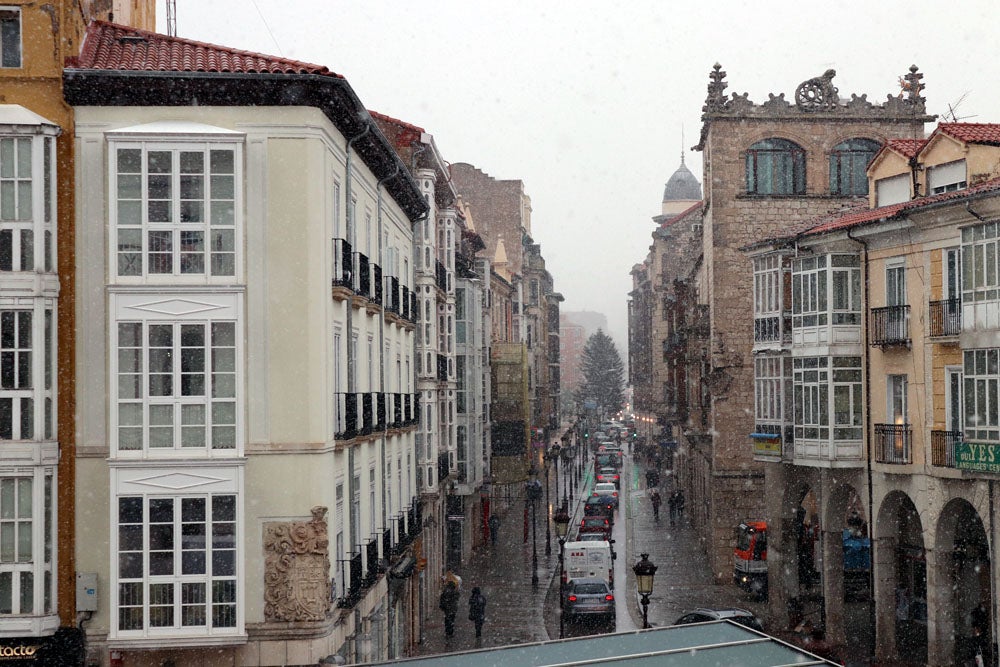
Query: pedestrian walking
point(655, 499)
point(477, 610)
point(672, 505)
point(680, 505)
point(494, 528)
point(449, 605)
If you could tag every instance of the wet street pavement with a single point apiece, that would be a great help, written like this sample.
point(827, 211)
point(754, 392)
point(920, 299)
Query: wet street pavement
point(517, 613)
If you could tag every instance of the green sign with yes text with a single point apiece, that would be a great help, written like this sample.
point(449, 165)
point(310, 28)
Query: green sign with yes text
point(978, 457)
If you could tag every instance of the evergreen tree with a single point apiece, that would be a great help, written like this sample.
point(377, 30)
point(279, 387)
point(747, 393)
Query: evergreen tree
point(603, 374)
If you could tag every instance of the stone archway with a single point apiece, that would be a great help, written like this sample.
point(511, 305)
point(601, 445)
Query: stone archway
point(795, 590)
point(901, 581)
point(963, 571)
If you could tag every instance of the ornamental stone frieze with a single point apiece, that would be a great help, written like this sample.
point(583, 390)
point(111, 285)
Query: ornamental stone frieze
point(816, 97)
point(297, 569)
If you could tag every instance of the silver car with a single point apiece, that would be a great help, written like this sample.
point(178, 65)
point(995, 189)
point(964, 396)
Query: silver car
point(588, 597)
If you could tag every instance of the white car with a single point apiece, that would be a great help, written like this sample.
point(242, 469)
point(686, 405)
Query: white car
point(608, 490)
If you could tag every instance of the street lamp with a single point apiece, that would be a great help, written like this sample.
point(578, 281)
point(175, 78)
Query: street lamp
point(568, 453)
point(644, 571)
point(550, 454)
point(534, 493)
point(561, 519)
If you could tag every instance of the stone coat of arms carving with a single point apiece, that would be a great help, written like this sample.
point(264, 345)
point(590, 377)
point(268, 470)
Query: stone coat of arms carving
point(297, 569)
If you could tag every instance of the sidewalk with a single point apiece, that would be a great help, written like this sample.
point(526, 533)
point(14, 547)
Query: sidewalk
point(514, 609)
point(684, 577)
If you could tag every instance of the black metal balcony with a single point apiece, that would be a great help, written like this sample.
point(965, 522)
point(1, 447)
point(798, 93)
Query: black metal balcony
point(392, 294)
point(387, 546)
point(346, 415)
point(945, 317)
point(377, 283)
point(367, 413)
point(397, 410)
point(413, 307)
point(342, 263)
point(380, 411)
point(893, 443)
point(414, 520)
point(440, 276)
point(890, 326)
point(371, 563)
point(354, 584)
point(943, 447)
point(362, 275)
point(404, 304)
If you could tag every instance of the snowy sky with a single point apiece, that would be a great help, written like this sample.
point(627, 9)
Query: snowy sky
point(585, 101)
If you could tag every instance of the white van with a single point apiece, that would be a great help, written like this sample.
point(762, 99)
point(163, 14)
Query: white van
point(589, 559)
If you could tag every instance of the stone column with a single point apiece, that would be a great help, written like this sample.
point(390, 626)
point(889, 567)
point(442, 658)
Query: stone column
point(833, 585)
point(884, 562)
point(940, 608)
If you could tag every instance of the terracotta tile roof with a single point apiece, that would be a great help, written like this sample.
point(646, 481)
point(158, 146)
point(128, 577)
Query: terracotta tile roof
point(683, 214)
point(395, 121)
point(861, 216)
point(108, 46)
point(906, 147)
point(400, 133)
point(973, 133)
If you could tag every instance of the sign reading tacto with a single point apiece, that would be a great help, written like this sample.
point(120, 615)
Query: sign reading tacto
point(976, 456)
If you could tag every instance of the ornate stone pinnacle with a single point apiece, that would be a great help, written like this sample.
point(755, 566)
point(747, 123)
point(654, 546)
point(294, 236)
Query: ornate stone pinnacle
point(716, 89)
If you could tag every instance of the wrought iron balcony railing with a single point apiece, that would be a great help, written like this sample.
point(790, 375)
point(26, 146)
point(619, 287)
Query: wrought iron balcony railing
point(343, 265)
point(362, 275)
point(943, 447)
point(893, 443)
point(890, 325)
point(347, 413)
point(945, 317)
point(377, 283)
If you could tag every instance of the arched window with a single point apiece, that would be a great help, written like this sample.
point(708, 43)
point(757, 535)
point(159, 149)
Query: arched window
point(848, 161)
point(776, 167)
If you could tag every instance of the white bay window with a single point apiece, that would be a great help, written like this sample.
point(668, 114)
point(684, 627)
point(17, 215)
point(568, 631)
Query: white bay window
point(176, 205)
point(177, 375)
point(176, 540)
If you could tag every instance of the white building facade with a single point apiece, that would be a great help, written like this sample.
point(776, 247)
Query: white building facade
point(246, 397)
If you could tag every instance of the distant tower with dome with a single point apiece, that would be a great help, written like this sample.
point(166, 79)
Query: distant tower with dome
point(681, 192)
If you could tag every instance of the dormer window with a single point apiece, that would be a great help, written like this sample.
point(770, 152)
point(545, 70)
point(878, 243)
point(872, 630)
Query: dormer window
point(892, 190)
point(10, 37)
point(946, 177)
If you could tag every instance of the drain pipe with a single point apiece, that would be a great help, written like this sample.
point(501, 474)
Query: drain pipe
point(381, 337)
point(868, 431)
point(351, 361)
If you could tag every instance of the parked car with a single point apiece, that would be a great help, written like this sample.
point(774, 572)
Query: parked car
point(609, 475)
point(703, 615)
point(608, 491)
point(595, 524)
point(588, 596)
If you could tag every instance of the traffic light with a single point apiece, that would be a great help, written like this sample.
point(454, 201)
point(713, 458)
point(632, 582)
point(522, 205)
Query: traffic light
point(586, 434)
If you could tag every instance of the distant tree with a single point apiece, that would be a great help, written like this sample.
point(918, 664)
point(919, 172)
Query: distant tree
point(603, 374)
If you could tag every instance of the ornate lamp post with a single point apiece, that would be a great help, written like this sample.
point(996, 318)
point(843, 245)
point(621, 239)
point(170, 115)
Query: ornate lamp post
point(568, 453)
point(561, 519)
point(534, 493)
point(549, 455)
point(644, 571)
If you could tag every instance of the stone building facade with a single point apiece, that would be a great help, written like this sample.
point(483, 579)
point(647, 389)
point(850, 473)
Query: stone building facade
point(766, 166)
point(915, 476)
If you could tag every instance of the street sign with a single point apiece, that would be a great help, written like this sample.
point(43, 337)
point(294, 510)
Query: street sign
point(977, 456)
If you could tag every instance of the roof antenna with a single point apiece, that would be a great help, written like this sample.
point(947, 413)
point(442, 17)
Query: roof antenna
point(951, 117)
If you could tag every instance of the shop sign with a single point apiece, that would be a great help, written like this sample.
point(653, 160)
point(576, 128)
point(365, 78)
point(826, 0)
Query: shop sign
point(978, 457)
point(9, 652)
